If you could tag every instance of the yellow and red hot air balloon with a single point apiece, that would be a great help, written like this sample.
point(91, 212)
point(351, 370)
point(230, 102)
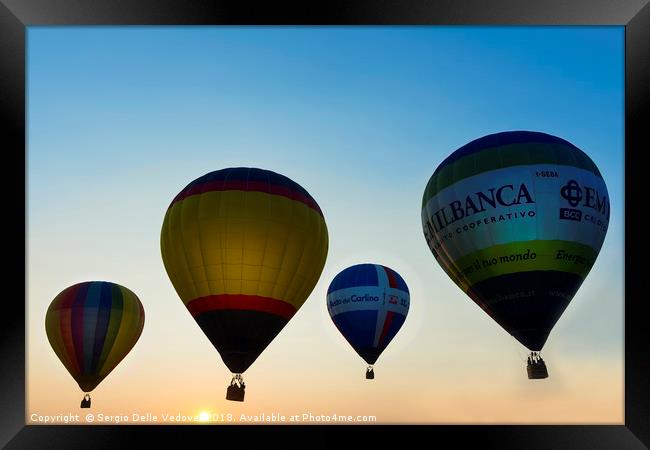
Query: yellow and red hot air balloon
point(92, 326)
point(244, 248)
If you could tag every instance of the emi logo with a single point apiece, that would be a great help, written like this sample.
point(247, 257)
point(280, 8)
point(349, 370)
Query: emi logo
point(570, 214)
point(572, 193)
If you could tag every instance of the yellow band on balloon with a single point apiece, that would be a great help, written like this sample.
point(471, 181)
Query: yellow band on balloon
point(243, 242)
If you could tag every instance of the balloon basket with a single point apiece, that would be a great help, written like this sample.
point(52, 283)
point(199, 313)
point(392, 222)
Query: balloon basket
point(85, 402)
point(537, 369)
point(236, 390)
point(235, 393)
point(370, 374)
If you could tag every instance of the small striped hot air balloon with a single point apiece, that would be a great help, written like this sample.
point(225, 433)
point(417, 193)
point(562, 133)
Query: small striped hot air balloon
point(92, 326)
point(244, 248)
point(517, 219)
point(368, 303)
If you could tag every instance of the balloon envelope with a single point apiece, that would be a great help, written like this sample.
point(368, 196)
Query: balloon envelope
point(368, 303)
point(92, 326)
point(244, 248)
point(517, 219)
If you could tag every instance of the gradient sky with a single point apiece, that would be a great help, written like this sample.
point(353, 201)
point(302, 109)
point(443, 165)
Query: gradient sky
point(121, 119)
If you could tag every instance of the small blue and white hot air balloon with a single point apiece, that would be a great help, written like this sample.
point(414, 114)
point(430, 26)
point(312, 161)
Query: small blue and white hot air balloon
point(368, 303)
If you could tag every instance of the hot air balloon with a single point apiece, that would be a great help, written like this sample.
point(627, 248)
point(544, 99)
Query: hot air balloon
point(368, 303)
point(92, 326)
point(517, 219)
point(244, 248)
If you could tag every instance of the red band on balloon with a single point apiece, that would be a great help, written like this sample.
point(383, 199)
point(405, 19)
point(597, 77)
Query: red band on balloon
point(64, 308)
point(387, 323)
point(243, 185)
point(241, 302)
point(392, 279)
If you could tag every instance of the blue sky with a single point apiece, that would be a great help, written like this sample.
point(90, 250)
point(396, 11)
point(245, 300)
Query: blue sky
point(120, 119)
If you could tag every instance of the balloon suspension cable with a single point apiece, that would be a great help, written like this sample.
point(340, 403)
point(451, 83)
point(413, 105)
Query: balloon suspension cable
point(536, 367)
point(370, 373)
point(237, 388)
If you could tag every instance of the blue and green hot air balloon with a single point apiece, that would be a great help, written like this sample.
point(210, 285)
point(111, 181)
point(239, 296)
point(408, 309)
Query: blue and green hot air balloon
point(517, 219)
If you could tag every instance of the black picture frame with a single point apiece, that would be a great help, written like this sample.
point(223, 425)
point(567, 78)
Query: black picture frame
point(16, 15)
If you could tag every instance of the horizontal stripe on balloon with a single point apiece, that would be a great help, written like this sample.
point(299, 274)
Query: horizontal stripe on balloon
point(244, 185)
point(247, 243)
point(521, 137)
point(241, 302)
point(507, 155)
point(524, 256)
point(240, 336)
point(527, 304)
point(362, 298)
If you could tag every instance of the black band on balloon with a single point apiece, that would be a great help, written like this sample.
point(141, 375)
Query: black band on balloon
point(527, 304)
point(240, 335)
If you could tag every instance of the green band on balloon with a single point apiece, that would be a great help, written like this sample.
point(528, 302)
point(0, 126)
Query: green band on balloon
point(566, 256)
point(506, 156)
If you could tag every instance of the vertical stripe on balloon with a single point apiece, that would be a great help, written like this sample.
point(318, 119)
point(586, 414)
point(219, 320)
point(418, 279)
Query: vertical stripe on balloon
point(91, 313)
point(64, 311)
point(77, 311)
point(103, 318)
point(387, 324)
